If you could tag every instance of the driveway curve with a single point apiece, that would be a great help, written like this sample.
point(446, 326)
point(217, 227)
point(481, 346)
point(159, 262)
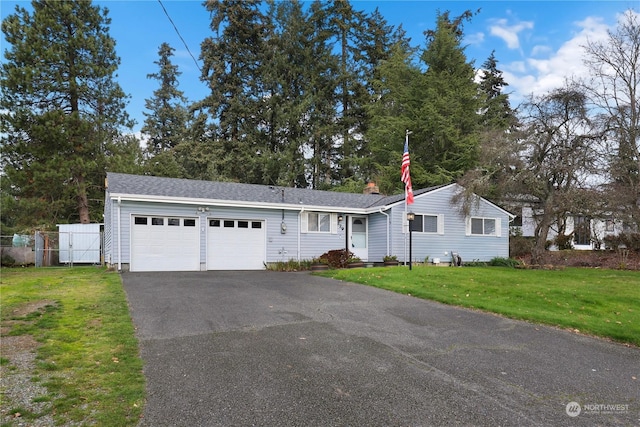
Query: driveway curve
point(291, 349)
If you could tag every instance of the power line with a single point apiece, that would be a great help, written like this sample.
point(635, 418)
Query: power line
point(179, 35)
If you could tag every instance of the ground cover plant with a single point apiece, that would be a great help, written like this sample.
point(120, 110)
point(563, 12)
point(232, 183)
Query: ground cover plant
point(86, 369)
point(599, 302)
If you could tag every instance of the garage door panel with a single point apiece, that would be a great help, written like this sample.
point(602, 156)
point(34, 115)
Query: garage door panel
point(236, 244)
point(164, 244)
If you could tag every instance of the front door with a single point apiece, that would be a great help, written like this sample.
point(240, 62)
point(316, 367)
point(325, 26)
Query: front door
point(358, 237)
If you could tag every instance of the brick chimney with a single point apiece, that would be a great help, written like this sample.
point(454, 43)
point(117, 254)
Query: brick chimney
point(371, 188)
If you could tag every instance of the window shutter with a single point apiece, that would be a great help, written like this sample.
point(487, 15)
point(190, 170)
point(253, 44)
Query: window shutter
point(334, 223)
point(467, 226)
point(304, 222)
point(441, 224)
point(498, 227)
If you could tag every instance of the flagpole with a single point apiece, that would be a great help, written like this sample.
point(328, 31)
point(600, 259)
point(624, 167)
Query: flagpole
point(406, 208)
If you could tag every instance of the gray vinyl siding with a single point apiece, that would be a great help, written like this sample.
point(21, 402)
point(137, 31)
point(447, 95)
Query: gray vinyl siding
point(279, 246)
point(454, 238)
point(378, 237)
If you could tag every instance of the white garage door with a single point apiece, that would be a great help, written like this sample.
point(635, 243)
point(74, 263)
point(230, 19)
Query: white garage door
point(235, 244)
point(161, 243)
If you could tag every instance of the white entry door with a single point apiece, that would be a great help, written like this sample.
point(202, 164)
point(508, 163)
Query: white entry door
point(358, 237)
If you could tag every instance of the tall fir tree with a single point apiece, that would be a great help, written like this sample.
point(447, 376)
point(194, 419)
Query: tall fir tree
point(496, 111)
point(446, 140)
point(232, 59)
point(166, 121)
point(60, 109)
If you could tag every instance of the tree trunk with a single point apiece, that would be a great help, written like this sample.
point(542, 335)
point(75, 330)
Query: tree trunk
point(541, 233)
point(83, 201)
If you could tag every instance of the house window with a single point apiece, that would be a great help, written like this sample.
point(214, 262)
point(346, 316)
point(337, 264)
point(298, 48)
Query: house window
point(609, 225)
point(157, 221)
point(173, 221)
point(256, 224)
point(427, 224)
point(581, 230)
point(483, 226)
point(229, 224)
point(319, 222)
point(243, 224)
point(189, 222)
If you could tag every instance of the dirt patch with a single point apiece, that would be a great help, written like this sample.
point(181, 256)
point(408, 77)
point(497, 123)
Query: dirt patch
point(32, 307)
point(20, 393)
point(15, 346)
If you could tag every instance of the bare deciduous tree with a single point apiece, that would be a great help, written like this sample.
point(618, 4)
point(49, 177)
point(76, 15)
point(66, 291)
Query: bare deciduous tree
point(559, 158)
point(615, 90)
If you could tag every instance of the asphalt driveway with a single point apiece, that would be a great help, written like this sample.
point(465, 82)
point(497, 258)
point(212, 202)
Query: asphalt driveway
point(290, 349)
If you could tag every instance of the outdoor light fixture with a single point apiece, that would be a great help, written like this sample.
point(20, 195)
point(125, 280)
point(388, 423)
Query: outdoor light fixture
point(340, 218)
point(410, 217)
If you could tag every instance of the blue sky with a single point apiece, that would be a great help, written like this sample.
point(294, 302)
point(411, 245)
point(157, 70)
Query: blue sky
point(537, 43)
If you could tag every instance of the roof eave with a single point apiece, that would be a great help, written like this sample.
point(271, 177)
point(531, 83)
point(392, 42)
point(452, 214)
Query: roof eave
point(234, 203)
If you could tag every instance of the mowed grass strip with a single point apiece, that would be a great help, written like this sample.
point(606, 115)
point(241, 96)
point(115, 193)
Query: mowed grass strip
point(604, 303)
point(88, 359)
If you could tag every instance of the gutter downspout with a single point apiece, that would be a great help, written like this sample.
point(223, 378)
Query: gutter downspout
point(387, 215)
point(119, 238)
point(299, 231)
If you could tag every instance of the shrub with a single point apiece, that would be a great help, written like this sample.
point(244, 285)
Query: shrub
point(629, 240)
point(520, 246)
point(7, 261)
point(564, 242)
point(504, 262)
point(337, 258)
point(291, 265)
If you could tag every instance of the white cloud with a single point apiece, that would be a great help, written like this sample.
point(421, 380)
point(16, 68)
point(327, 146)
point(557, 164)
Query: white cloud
point(510, 33)
point(476, 38)
point(552, 68)
point(539, 50)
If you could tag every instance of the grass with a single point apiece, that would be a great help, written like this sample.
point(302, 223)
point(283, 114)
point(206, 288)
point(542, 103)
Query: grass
point(605, 303)
point(88, 358)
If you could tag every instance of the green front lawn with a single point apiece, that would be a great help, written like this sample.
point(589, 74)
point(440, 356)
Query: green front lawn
point(605, 303)
point(88, 357)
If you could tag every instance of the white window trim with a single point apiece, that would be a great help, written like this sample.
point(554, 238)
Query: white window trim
point(498, 226)
point(304, 223)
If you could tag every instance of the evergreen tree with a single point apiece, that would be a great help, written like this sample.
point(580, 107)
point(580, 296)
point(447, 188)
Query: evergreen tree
point(496, 111)
point(497, 151)
point(446, 140)
point(60, 108)
point(286, 77)
point(232, 60)
point(322, 105)
point(395, 109)
point(166, 122)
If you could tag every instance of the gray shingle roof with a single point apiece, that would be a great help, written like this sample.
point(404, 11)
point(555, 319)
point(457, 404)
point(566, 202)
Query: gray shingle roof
point(141, 185)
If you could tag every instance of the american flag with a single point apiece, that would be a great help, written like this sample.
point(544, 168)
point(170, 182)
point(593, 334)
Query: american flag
point(406, 176)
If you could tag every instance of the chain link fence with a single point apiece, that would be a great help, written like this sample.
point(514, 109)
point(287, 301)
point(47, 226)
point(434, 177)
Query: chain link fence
point(52, 249)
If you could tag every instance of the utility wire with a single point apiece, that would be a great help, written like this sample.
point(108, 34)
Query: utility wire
point(179, 35)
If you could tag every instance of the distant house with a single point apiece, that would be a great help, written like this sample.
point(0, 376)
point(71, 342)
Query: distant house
point(582, 232)
point(167, 224)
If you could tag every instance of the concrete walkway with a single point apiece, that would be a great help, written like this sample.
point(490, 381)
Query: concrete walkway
point(291, 349)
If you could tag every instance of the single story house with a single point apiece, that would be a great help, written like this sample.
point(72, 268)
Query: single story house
point(585, 232)
point(167, 224)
